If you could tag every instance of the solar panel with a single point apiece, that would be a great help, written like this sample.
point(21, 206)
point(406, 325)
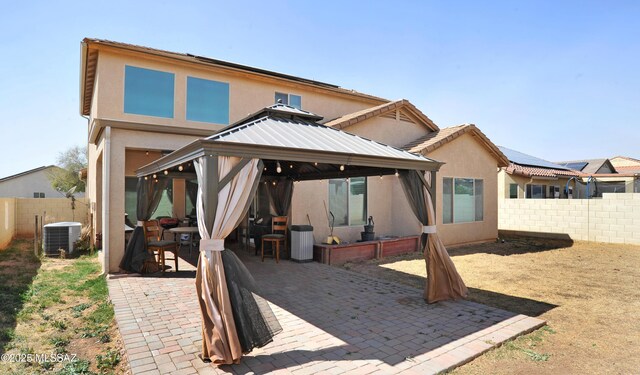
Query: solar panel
point(578, 166)
point(524, 159)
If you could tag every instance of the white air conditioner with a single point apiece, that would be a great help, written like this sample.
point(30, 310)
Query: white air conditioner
point(58, 236)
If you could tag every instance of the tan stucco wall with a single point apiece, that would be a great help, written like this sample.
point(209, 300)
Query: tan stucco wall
point(506, 179)
point(389, 131)
point(7, 221)
point(247, 94)
point(25, 186)
point(466, 158)
point(614, 218)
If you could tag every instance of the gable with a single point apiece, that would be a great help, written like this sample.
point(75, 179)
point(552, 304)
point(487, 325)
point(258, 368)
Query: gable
point(392, 129)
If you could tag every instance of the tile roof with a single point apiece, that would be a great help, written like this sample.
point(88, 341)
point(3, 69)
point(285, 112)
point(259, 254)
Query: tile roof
point(382, 109)
point(438, 138)
point(528, 171)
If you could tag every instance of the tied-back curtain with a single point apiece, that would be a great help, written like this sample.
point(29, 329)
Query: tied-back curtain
point(235, 320)
point(149, 194)
point(443, 280)
point(280, 196)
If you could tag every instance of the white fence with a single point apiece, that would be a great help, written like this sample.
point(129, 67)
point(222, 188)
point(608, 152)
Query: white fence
point(614, 218)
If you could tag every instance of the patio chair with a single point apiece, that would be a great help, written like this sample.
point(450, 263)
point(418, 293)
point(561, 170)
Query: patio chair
point(157, 245)
point(278, 234)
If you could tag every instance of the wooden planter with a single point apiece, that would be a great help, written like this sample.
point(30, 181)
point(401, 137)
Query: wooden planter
point(359, 251)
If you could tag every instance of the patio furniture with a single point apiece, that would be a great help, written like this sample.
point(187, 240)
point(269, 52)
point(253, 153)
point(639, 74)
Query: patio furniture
point(190, 231)
point(156, 245)
point(278, 234)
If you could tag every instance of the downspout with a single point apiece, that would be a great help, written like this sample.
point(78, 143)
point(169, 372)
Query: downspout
point(106, 177)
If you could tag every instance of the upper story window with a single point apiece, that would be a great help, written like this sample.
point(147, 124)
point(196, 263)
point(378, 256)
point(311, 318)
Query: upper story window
point(148, 92)
point(289, 99)
point(462, 200)
point(348, 200)
point(207, 101)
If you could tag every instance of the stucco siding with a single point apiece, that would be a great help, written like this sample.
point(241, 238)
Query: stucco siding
point(25, 186)
point(7, 221)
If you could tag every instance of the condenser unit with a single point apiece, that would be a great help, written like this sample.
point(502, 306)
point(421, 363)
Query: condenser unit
point(58, 236)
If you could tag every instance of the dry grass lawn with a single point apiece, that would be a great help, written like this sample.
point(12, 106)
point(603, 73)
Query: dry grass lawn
point(589, 294)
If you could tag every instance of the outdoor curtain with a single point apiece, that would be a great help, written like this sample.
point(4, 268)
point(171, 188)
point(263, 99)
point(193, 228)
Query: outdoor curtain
point(443, 280)
point(149, 195)
point(280, 196)
point(235, 319)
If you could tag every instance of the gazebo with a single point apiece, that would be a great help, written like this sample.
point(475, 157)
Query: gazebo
point(230, 164)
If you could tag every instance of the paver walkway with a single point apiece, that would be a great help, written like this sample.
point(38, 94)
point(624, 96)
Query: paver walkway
point(334, 321)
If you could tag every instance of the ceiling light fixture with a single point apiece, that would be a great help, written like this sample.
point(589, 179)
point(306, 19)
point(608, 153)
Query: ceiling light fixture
point(342, 167)
point(278, 167)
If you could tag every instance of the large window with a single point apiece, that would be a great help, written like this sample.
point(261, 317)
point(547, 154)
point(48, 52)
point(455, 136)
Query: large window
point(536, 191)
point(165, 207)
point(348, 200)
point(148, 92)
point(462, 200)
point(207, 101)
point(289, 99)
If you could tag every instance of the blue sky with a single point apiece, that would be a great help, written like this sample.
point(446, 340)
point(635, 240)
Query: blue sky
point(556, 79)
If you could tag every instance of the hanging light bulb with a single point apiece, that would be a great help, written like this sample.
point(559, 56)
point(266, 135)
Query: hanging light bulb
point(273, 183)
point(180, 168)
point(290, 166)
point(381, 177)
point(156, 181)
point(147, 153)
point(265, 168)
point(316, 164)
point(154, 176)
point(166, 172)
point(342, 167)
point(397, 174)
point(146, 177)
point(278, 167)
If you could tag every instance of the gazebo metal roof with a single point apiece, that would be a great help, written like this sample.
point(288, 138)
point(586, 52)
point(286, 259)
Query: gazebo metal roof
point(281, 133)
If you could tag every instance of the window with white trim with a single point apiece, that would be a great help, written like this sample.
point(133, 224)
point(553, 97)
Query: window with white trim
point(289, 99)
point(348, 200)
point(462, 200)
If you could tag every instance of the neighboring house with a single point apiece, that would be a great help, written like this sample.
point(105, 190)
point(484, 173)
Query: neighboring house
point(624, 164)
point(33, 183)
point(590, 166)
point(143, 103)
point(530, 177)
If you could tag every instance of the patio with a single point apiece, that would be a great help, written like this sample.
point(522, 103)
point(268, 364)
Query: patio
point(334, 321)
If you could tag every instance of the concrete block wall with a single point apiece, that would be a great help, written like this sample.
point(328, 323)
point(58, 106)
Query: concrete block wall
point(52, 209)
point(7, 221)
point(615, 218)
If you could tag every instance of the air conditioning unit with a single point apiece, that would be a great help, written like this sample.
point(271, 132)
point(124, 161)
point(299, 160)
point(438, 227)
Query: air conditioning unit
point(58, 236)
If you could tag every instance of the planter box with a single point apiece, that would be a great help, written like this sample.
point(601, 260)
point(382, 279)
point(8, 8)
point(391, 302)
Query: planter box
point(354, 252)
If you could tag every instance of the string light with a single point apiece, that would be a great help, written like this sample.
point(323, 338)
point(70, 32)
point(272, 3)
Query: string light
point(290, 166)
point(154, 176)
point(381, 177)
point(146, 177)
point(147, 153)
point(180, 168)
point(397, 174)
point(316, 164)
point(274, 183)
point(278, 167)
point(166, 172)
point(342, 168)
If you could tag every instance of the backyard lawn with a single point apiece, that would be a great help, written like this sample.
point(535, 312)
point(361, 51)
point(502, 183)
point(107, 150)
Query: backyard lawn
point(589, 294)
point(58, 308)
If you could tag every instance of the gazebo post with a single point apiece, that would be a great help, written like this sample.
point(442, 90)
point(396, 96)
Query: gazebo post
point(210, 188)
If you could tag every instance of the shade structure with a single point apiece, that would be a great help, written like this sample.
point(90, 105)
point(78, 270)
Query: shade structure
point(228, 165)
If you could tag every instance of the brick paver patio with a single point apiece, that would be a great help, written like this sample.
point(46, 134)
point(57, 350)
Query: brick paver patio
point(334, 321)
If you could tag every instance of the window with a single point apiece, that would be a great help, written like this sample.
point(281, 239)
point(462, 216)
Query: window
point(554, 191)
point(462, 200)
point(536, 191)
point(289, 99)
point(148, 92)
point(348, 201)
point(165, 207)
point(207, 101)
point(513, 191)
point(38, 195)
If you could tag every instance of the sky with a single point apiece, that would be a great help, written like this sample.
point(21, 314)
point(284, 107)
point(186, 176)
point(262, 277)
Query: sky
point(559, 80)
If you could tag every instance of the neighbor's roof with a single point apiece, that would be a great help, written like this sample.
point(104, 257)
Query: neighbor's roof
point(90, 58)
point(403, 105)
point(281, 133)
point(441, 137)
point(528, 171)
point(34, 170)
point(588, 166)
point(523, 159)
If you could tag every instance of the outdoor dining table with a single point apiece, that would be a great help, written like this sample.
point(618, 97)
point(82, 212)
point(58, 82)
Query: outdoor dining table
point(185, 230)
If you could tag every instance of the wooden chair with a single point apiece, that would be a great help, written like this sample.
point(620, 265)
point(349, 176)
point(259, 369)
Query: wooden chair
point(157, 245)
point(278, 234)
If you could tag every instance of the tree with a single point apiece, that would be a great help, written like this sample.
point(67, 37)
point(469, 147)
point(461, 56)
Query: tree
point(67, 177)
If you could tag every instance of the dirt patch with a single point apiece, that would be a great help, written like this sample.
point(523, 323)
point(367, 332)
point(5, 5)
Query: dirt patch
point(589, 293)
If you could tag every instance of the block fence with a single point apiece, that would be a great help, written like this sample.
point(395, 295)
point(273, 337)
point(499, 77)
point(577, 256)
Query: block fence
point(614, 218)
point(17, 215)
